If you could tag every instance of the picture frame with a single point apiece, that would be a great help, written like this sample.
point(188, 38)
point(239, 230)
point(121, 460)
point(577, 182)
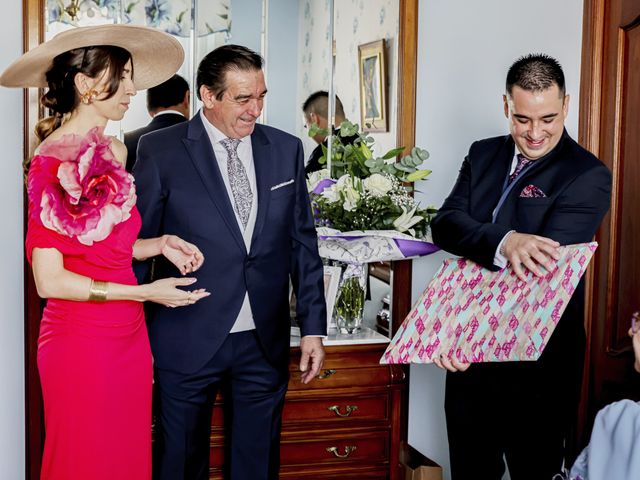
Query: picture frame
point(331, 283)
point(373, 86)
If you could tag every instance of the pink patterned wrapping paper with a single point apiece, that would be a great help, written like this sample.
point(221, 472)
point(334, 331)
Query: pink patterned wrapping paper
point(476, 315)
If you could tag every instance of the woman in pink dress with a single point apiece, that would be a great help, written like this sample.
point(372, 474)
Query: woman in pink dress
point(93, 352)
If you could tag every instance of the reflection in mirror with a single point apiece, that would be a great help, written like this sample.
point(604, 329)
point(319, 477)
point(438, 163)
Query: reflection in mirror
point(294, 37)
point(355, 23)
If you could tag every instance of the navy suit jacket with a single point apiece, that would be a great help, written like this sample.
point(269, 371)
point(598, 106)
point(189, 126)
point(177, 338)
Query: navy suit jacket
point(578, 190)
point(181, 191)
point(159, 121)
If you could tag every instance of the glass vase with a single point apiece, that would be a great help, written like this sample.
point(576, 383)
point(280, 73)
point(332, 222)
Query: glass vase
point(350, 302)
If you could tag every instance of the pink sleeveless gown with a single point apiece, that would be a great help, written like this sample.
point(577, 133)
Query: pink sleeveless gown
point(95, 365)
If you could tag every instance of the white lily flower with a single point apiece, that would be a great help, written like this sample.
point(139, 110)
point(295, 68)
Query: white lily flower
point(331, 194)
point(407, 220)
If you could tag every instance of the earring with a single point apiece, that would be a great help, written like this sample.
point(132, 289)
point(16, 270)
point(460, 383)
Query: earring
point(89, 96)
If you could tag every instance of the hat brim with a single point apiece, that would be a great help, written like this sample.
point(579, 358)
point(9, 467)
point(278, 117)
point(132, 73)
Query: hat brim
point(156, 56)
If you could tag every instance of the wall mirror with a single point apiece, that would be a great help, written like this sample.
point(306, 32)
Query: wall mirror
point(295, 37)
point(336, 46)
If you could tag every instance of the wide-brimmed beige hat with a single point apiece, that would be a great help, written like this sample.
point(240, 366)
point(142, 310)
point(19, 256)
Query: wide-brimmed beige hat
point(156, 55)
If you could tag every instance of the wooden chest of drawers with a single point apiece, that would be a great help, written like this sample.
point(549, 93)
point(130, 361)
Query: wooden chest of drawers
point(346, 424)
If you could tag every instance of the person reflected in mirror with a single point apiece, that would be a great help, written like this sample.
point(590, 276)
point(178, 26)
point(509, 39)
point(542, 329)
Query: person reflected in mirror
point(239, 189)
point(168, 104)
point(94, 357)
point(316, 111)
point(516, 200)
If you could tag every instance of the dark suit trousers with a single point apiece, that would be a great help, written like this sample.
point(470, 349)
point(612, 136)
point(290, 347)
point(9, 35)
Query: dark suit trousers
point(518, 411)
point(253, 392)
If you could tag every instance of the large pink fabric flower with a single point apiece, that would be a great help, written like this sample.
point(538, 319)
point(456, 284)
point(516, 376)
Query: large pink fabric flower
point(78, 188)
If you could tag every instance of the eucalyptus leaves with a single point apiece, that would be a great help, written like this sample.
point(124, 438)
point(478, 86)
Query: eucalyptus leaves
point(370, 193)
point(352, 153)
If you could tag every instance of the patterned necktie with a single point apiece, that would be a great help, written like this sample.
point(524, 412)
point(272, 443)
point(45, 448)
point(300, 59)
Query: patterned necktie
point(238, 180)
point(522, 162)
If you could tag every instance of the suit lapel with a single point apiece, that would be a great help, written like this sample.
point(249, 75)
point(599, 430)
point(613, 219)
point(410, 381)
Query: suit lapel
point(201, 153)
point(264, 170)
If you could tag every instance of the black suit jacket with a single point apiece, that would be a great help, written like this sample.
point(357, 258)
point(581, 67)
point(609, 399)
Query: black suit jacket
point(578, 190)
point(313, 164)
point(181, 191)
point(159, 121)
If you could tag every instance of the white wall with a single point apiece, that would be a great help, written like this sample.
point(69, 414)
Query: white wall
point(464, 51)
point(11, 258)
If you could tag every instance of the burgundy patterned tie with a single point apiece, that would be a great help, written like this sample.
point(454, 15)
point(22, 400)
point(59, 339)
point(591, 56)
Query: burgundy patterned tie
point(522, 162)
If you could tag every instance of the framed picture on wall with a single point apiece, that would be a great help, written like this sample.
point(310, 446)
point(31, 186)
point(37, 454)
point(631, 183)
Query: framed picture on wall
point(331, 283)
point(373, 86)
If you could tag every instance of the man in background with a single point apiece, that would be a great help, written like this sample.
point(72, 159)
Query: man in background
point(517, 199)
point(316, 111)
point(168, 104)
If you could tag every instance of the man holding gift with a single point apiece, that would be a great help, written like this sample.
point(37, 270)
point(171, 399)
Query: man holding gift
point(516, 200)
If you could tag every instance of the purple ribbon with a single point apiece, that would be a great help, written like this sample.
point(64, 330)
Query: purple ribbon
point(322, 184)
point(409, 248)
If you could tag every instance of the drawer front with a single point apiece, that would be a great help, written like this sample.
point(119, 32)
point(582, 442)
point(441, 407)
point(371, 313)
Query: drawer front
point(338, 408)
point(344, 377)
point(319, 473)
point(345, 473)
point(339, 448)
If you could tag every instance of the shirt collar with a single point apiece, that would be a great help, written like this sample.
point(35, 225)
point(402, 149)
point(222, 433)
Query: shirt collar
point(165, 112)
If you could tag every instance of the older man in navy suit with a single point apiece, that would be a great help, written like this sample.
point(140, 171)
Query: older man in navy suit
point(238, 190)
point(517, 199)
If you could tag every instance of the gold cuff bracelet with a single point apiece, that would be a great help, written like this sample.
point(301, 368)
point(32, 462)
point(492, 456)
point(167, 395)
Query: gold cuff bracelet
point(98, 291)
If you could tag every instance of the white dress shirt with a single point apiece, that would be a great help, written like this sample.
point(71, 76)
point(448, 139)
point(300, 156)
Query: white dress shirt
point(245, 154)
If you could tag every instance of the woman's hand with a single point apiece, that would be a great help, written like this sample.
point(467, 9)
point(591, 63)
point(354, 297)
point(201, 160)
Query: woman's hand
point(165, 292)
point(184, 255)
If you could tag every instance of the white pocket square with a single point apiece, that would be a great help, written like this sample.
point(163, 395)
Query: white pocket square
point(283, 184)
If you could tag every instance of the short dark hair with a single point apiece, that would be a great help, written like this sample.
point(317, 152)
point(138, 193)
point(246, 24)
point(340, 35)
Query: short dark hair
point(535, 72)
point(215, 65)
point(167, 94)
point(318, 103)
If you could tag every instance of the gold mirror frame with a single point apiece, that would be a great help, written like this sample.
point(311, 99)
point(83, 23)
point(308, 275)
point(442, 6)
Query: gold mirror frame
point(33, 35)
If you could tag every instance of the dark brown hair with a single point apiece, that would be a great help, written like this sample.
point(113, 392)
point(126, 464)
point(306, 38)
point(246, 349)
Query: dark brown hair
point(62, 96)
point(213, 68)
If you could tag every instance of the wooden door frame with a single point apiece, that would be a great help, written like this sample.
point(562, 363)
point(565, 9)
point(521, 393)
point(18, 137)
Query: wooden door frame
point(33, 35)
point(602, 286)
point(589, 137)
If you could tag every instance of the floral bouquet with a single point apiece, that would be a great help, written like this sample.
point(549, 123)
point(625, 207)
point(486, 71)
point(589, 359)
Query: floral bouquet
point(368, 214)
point(365, 212)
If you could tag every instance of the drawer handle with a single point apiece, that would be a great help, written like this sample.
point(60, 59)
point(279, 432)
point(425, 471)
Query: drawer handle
point(327, 373)
point(347, 451)
point(349, 409)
